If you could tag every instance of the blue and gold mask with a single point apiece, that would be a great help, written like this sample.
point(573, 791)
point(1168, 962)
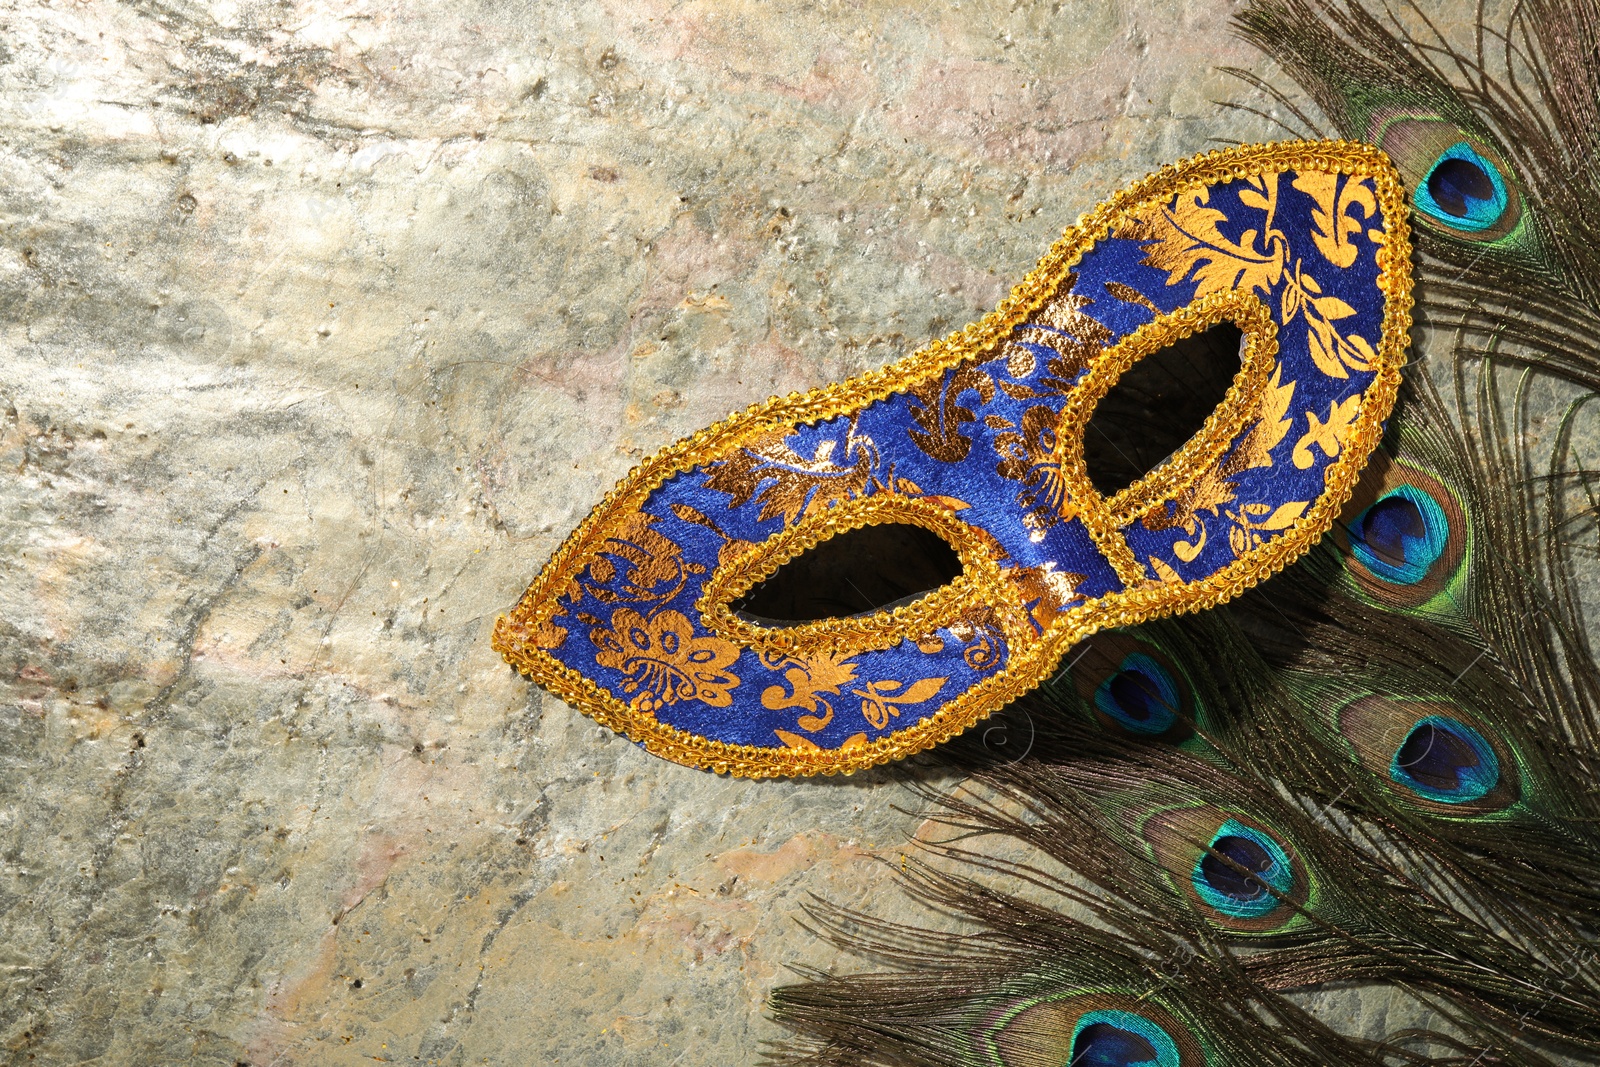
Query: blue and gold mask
point(638, 619)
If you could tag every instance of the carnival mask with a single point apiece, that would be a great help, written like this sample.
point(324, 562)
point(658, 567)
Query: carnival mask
point(648, 618)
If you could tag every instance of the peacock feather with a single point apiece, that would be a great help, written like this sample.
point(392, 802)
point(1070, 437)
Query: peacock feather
point(1377, 768)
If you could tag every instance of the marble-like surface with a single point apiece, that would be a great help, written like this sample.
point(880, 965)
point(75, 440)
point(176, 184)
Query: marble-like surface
point(323, 322)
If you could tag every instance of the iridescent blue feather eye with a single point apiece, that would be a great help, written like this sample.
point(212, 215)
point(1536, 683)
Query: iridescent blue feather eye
point(1142, 696)
point(1401, 535)
point(1121, 1039)
point(1463, 190)
point(1243, 873)
point(1435, 752)
point(1120, 1027)
point(1445, 760)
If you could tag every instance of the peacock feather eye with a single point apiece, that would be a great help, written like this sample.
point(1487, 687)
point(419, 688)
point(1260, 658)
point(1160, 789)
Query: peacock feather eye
point(1133, 687)
point(1237, 871)
point(1463, 190)
point(1431, 751)
point(1404, 535)
point(1244, 873)
point(1458, 183)
point(1446, 760)
point(1114, 1038)
point(1141, 696)
point(1401, 535)
point(1090, 1028)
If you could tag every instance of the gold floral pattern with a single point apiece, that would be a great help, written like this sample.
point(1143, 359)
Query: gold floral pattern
point(1186, 241)
point(731, 546)
point(650, 566)
point(811, 680)
point(1251, 520)
point(1129, 295)
point(1028, 455)
point(1045, 590)
point(881, 700)
point(787, 484)
point(1061, 326)
point(940, 417)
point(1328, 434)
point(1215, 486)
point(548, 635)
point(1271, 425)
point(1333, 220)
point(664, 661)
point(805, 744)
point(982, 635)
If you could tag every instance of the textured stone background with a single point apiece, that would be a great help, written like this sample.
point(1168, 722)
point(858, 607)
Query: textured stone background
point(323, 322)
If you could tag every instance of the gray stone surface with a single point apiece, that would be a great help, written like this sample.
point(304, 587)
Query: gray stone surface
point(323, 322)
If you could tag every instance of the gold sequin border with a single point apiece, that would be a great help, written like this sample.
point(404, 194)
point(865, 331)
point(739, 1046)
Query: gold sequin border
point(1125, 608)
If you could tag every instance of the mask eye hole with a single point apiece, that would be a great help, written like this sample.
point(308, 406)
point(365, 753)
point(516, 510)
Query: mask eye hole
point(857, 572)
point(1157, 405)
